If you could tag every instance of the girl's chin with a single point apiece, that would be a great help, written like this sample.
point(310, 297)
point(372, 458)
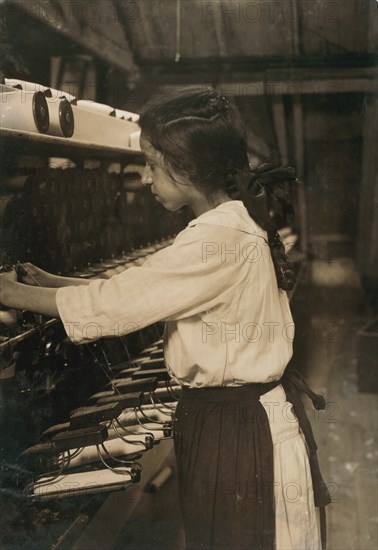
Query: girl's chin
point(167, 205)
point(159, 200)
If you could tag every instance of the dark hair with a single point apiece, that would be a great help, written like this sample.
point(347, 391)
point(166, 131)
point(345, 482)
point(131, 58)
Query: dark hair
point(201, 136)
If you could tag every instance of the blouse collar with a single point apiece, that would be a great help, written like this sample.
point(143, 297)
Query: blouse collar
point(231, 214)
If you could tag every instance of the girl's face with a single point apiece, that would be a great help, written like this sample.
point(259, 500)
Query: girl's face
point(171, 190)
point(173, 194)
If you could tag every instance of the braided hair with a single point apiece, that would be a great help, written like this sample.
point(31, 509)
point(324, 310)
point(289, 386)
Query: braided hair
point(264, 193)
point(201, 136)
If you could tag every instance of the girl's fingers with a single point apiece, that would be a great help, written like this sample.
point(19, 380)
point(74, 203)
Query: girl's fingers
point(29, 268)
point(9, 275)
point(31, 274)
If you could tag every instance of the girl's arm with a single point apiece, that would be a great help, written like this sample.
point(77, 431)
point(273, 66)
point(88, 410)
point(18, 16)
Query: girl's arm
point(35, 276)
point(19, 296)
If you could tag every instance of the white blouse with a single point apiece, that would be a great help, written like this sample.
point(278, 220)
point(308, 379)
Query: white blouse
point(227, 323)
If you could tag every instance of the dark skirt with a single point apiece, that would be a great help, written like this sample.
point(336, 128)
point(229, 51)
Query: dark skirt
point(224, 454)
point(225, 467)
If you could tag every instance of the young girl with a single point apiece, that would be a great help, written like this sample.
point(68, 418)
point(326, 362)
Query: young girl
point(248, 474)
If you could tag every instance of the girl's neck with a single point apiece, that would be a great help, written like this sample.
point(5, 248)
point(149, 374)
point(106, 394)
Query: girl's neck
point(203, 204)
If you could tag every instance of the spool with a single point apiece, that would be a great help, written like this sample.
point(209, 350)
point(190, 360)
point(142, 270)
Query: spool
point(159, 480)
point(99, 128)
point(4, 201)
point(8, 372)
point(62, 122)
point(15, 183)
point(8, 317)
point(119, 269)
point(7, 360)
point(24, 111)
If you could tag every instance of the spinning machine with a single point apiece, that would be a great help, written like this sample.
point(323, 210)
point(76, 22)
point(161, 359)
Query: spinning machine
point(76, 421)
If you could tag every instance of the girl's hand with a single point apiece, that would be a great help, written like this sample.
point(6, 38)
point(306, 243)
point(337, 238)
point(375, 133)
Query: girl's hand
point(8, 276)
point(7, 316)
point(6, 280)
point(32, 275)
point(17, 296)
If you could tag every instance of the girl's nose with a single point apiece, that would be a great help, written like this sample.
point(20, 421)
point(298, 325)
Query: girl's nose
point(147, 176)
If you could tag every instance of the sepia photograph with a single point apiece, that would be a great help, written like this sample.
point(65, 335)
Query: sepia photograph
point(188, 275)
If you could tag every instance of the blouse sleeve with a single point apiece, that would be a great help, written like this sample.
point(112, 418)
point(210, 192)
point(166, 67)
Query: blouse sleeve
point(184, 279)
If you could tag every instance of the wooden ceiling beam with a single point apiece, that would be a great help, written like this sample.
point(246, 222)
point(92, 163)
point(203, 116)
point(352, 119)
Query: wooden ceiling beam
point(288, 87)
point(270, 82)
point(274, 62)
point(301, 87)
point(53, 15)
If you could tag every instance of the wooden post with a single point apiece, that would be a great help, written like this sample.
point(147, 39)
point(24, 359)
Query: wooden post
point(219, 32)
point(368, 219)
point(280, 127)
point(300, 165)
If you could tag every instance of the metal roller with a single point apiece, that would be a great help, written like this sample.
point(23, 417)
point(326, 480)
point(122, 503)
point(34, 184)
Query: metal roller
point(24, 111)
point(61, 117)
point(83, 483)
point(94, 126)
